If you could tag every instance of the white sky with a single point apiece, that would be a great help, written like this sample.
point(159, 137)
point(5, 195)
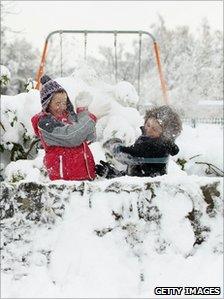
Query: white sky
point(37, 18)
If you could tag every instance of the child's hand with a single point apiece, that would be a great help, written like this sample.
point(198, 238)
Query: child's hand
point(83, 99)
point(100, 109)
point(112, 145)
point(102, 169)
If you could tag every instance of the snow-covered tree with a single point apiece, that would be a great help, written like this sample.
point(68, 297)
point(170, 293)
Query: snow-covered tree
point(217, 66)
point(193, 66)
point(22, 61)
point(5, 77)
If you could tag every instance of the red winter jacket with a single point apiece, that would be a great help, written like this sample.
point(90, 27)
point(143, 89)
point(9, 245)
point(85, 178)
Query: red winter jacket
point(65, 141)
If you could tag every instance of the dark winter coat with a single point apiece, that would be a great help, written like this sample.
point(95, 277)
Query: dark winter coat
point(65, 140)
point(149, 148)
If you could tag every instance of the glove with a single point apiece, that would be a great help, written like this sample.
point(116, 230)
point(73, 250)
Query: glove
point(83, 99)
point(99, 109)
point(112, 145)
point(173, 149)
point(102, 169)
point(107, 171)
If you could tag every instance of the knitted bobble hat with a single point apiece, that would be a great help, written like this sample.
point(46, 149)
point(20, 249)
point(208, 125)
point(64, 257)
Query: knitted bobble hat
point(44, 79)
point(49, 87)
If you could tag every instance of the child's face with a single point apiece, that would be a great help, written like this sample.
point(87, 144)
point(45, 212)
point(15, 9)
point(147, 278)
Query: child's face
point(153, 128)
point(58, 104)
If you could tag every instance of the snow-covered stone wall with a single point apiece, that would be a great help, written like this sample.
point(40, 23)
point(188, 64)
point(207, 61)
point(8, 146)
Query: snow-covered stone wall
point(58, 237)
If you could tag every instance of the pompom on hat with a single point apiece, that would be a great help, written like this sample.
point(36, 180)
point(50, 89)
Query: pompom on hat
point(49, 87)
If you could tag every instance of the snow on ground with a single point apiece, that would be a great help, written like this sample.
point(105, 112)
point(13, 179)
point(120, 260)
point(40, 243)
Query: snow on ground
point(201, 144)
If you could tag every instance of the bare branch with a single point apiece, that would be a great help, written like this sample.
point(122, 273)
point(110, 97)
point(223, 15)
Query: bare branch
point(213, 168)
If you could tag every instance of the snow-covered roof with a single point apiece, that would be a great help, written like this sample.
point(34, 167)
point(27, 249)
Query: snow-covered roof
point(211, 103)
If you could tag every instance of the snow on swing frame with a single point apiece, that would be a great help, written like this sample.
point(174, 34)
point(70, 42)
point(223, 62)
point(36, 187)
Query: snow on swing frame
point(40, 71)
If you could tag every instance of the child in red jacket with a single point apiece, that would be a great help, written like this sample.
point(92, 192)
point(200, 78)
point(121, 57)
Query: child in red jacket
point(65, 134)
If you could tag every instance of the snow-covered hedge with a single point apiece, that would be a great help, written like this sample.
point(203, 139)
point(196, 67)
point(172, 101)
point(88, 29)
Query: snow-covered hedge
point(58, 237)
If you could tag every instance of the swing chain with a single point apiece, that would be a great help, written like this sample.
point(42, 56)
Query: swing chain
point(115, 54)
point(61, 52)
point(85, 44)
point(139, 61)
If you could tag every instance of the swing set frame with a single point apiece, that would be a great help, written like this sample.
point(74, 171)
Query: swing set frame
point(163, 84)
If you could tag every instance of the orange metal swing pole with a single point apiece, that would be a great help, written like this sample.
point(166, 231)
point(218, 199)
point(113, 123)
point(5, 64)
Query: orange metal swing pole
point(162, 80)
point(41, 67)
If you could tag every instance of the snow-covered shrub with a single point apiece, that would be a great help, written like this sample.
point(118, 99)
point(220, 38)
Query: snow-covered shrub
point(17, 137)
point(5, 76)
point(28, 170)
point(22, 60)
point(30, 84)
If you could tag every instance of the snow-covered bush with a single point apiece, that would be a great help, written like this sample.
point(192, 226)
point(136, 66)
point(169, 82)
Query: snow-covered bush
point(22, 60)
point(28, 170)
point(30, 84)
point(5, 76)
point(17, 137)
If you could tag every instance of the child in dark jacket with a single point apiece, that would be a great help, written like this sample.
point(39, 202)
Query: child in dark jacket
point(148, 156)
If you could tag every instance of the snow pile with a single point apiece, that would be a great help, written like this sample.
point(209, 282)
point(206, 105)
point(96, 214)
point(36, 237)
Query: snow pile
point(27, 170)
point(115, 238)
point(200, 147)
